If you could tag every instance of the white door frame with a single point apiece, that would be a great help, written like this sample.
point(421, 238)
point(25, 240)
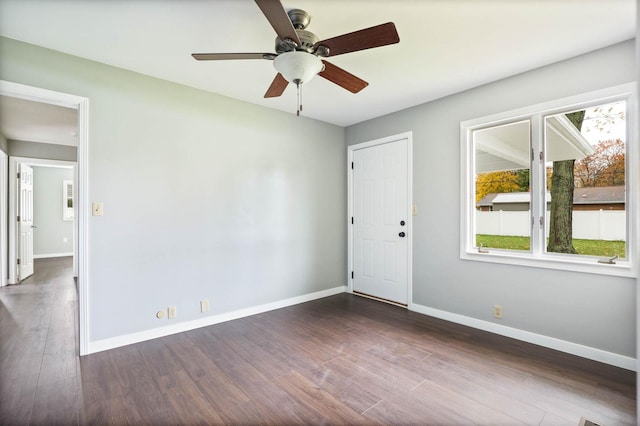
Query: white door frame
point(13, 208)
point(4, 186)
point(81, 104)
point(350, 149)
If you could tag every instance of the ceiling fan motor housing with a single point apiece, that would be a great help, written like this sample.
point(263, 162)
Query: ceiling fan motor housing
point(299, 18)
point(307, 42)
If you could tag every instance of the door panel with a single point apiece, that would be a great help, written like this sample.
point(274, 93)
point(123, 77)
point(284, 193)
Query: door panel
point(380, 203)
point(25, 211)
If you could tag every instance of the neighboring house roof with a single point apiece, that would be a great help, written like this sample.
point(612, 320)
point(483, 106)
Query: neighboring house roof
point(512, 197)
point(599, 195)
point(592, 195)
point(487, 200)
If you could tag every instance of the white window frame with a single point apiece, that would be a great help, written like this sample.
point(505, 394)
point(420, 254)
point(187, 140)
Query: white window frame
point(537, 257)
point(67, 212)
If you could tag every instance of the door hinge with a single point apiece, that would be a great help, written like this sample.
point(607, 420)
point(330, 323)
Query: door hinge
point(18, 219)
point(18, 175)
point(352, 220)
point(532, 154)
point(351, 274)
point(542, 156)
point(352, 165)
point(541, 220)
point(18, 260)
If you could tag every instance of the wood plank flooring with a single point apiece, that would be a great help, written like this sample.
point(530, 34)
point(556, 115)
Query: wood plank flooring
point(339, 360)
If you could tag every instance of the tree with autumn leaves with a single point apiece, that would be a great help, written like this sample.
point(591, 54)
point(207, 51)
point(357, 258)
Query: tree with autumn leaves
point(605, 167)
point(502, 181)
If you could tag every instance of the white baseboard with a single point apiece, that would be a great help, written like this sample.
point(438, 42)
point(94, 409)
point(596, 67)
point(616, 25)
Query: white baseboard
point(128, 339)
point(48, 255)
point(588, 352)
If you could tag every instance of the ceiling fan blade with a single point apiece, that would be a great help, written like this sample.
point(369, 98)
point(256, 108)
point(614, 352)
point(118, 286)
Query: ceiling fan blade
point(342, 78)
point(277, 87)
point(225, 56)
point(380, 35)
point(279, 19)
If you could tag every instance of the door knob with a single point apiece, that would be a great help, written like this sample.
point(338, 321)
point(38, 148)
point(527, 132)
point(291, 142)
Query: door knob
point(402, 234)
point(402, 223)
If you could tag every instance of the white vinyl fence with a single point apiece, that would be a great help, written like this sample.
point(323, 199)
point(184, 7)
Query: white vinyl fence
point(607, 225)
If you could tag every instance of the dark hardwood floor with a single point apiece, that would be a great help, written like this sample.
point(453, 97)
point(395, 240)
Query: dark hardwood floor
point(339, 360)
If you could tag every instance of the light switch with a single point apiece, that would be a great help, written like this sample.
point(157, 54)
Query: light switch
point(98, 209)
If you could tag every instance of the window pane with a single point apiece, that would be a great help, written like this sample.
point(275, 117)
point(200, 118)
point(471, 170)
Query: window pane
point(585, 153)
point(502, 214)
point(67, 200)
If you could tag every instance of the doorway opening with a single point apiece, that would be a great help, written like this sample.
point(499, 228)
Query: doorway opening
point(42, 200)
point(81, 107)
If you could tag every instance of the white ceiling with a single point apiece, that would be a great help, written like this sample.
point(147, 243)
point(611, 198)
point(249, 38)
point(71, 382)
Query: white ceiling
point(446, 46)
point(23, 120)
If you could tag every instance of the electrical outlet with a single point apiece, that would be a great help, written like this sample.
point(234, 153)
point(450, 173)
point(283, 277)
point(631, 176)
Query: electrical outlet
point(204, 305)
point(172, 312)
point(497, 311)
point(160, 314)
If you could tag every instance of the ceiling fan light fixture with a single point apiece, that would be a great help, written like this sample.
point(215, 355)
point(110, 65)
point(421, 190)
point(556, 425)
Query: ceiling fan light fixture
point(298, 67)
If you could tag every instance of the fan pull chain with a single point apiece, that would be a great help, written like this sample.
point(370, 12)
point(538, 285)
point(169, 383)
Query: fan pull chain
point(298, 86)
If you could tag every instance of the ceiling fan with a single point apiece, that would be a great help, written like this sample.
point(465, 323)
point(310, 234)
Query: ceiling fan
point(298, 51)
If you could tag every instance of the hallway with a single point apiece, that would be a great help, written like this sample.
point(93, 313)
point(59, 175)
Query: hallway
point(38, 353)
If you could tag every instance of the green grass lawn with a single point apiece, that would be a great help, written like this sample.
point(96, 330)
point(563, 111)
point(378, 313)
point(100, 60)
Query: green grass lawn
point(587, 247)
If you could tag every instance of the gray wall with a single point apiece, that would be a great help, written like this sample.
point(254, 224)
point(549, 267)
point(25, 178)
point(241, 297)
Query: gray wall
point(49, 238)
point(204, 196)
point(592, 310)
point(47, 151)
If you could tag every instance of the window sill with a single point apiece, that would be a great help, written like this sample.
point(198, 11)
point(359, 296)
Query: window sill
point(589, 265)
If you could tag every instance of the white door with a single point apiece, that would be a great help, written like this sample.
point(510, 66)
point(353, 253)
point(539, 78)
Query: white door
point(25, 222)
point(380, 221)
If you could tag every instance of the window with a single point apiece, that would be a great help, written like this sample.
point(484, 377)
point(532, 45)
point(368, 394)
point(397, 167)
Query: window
point(502, 173)
point(67, 200)
point(550, 185)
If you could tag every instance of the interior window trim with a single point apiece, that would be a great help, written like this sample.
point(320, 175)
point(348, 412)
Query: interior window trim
point(537, 255)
